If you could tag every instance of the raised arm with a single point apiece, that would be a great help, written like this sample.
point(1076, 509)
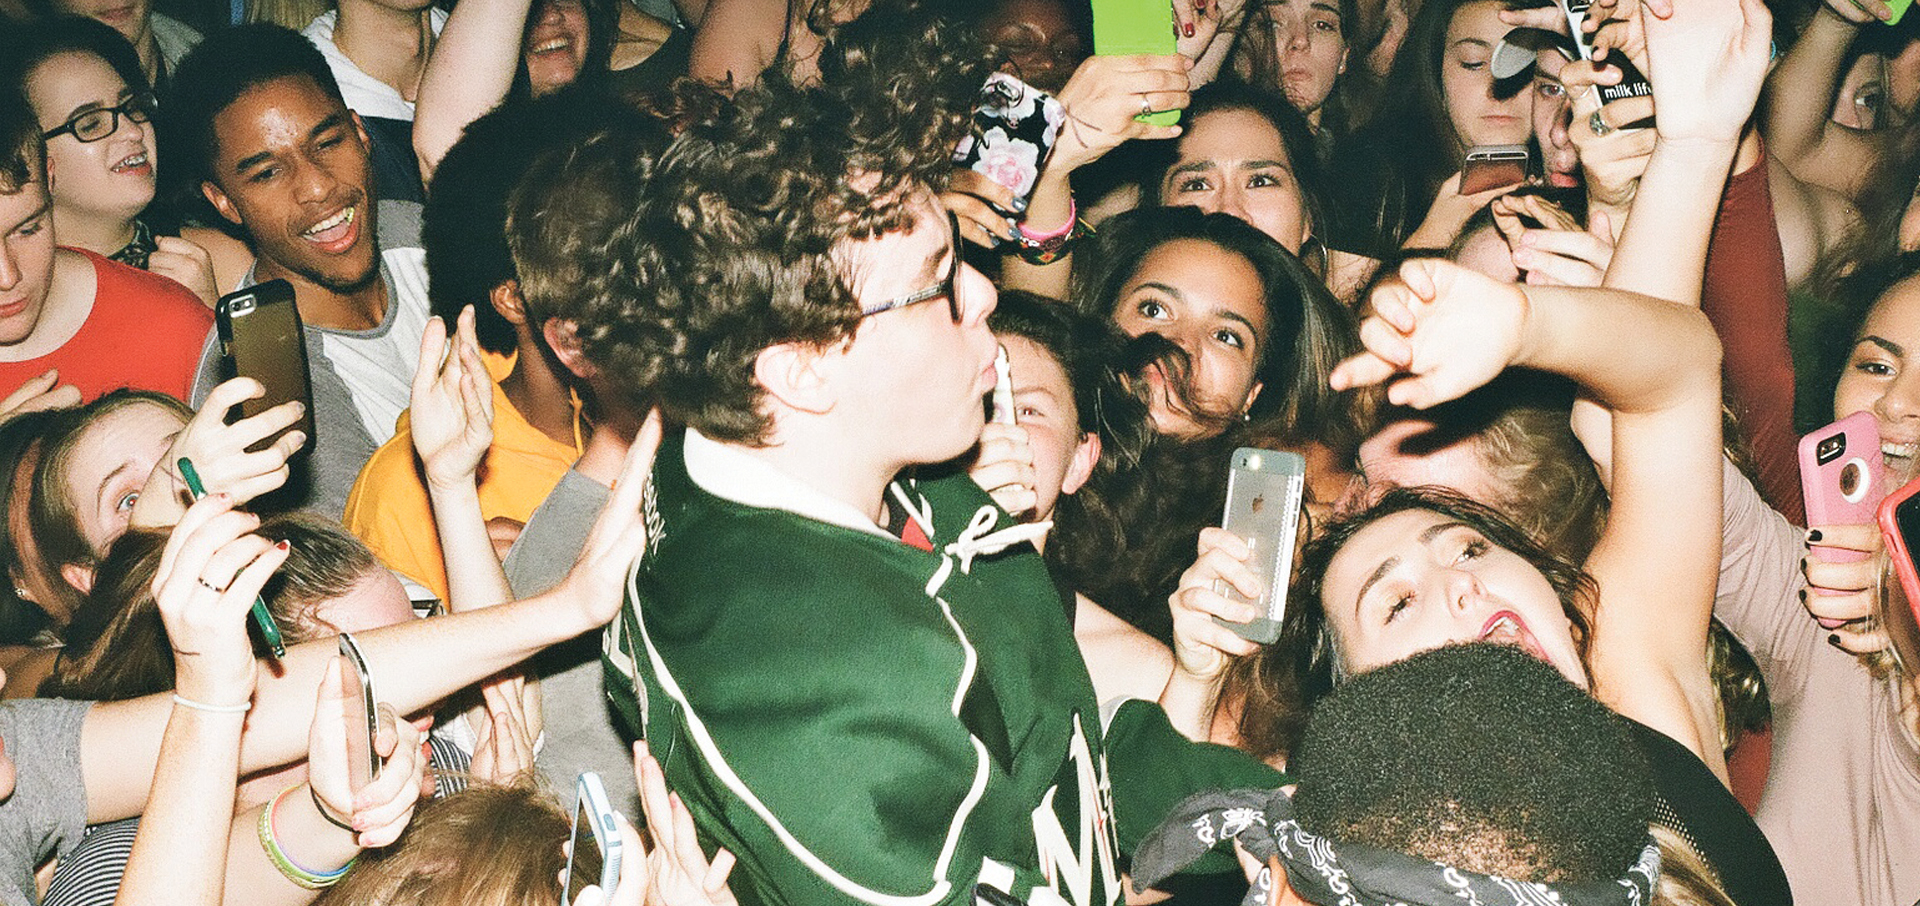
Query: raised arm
point(419, 662)
point(452, 420)
point(470, 73)
point(1797, 117)
point(1441, 331)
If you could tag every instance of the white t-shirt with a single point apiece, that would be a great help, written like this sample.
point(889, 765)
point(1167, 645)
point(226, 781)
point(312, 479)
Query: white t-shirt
point(364, 94)
point(378, 364)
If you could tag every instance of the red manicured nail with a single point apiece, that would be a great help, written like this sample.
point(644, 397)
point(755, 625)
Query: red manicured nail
point(282, 544)
point(1189, 29)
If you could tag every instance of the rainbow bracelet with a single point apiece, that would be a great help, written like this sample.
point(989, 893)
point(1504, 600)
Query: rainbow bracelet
point(306, 879)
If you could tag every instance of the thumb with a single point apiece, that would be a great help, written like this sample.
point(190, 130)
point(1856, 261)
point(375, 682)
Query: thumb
point(1601, 225)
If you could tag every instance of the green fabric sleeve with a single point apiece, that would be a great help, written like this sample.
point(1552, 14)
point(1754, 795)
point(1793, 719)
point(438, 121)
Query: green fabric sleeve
point(1152, 768)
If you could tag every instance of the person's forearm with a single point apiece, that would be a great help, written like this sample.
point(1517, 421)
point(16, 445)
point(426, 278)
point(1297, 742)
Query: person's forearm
point(1663, 250)
point(1800, 90)
point(179, 853)
point(418, 663)
point(1632, 353)
point(1047, 209)
point(307, 839)
point(1190, 702)
point(475, 578)
point(470, 73)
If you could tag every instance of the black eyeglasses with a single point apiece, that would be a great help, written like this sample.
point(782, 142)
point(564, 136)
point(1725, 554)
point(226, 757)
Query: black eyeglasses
point(947, 286)
point(95, 125)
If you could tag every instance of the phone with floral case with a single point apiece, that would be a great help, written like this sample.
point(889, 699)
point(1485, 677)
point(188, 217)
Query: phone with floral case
point(1014, 128)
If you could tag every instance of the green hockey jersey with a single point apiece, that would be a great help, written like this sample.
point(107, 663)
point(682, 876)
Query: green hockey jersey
point(862, 721)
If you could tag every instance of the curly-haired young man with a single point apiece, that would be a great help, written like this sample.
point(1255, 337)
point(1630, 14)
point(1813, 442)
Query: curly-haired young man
point(854, 669)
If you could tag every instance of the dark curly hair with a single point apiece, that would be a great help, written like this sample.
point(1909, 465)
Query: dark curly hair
point(1309, 332)
point(1290, 677)
point(733, 250)
point(1479, 757)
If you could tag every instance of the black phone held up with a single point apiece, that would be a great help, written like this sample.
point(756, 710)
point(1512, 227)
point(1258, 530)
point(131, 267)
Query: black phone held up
point(261, 338)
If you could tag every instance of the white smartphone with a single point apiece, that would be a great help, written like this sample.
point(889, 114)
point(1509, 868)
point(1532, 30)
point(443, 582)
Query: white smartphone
point(363, 722)
point(595, 851)
point(1264, 491)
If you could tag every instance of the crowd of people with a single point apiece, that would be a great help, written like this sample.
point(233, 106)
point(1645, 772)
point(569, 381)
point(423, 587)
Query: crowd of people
point(810, 421)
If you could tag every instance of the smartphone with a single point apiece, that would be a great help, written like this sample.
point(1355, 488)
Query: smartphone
point(1124, 27)
point(261, 337)
point(1899, 10)
point(1899, 518)
point(1840, 478)
point(262, 617)
point(363, 721)
point(595, 854)
point(1003, 409)
point(1493, 166)
point(1014, 127)
point(1632, 83)
point(1264, 492)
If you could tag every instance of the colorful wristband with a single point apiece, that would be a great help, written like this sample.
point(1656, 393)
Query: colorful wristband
point(304, 878)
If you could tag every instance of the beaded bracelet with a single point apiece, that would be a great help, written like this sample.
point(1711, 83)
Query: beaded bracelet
point(304, 878)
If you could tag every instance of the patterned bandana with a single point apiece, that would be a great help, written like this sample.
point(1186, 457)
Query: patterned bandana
point(1351, 874)
point(138, 249)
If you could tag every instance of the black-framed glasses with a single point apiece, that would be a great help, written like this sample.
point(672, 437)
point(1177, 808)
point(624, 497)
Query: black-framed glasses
point(95, 125)
point(948, 285)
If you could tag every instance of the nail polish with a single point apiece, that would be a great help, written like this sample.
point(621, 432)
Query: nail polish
point(1189, 29)
point(1813, 536)
point(1834, 640)
point(282, 545)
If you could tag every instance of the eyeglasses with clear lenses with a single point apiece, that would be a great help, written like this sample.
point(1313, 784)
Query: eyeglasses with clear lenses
point(95, 125)
point(948, 286)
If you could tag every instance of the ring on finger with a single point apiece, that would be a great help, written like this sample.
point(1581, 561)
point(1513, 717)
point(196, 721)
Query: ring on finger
point(1598, 124)
point(1146, 106)
point(209, 585)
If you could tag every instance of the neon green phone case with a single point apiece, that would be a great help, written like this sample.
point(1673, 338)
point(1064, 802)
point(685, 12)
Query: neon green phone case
point(1124, 27)
point(1899, 10)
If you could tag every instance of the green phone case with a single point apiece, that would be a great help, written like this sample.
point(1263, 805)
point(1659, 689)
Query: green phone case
point(1125, 27)
point(1899, 10)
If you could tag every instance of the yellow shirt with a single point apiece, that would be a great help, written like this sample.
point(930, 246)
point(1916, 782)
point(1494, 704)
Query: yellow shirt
point(388, 507)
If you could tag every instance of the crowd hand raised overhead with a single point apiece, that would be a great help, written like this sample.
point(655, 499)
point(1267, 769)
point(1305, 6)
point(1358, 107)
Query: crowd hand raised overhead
point(1707, 62)
point(452, 403)
point(209, 574)
point(1436, 332)
point(379, 811)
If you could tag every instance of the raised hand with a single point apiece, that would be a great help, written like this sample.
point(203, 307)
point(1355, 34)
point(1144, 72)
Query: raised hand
point(378, 812)
point(219, 452)
point(452, 403)
point(1004, 467)
point(210, 571)
point(504, 749)
point(598, 581)
point(1707, 62)
point(1436, 333)
point(1103, 97)
point(678, 872)
point(1201, 647)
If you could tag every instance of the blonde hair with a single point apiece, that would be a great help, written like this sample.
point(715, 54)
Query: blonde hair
point(483, 846)
point(1685, 877)
point(294, 14)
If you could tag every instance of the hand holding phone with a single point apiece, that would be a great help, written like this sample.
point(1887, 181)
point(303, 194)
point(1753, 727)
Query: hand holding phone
point(262, 617)
point(363, 721)
point(1493, 166)
point(1265, 489)
point(1014, 128)
point(1128, 27)
point(262, 338)
point(1841, 477)
point(595, 848)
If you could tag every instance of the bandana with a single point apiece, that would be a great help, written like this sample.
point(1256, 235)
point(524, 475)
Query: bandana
point(1351, 874)
point(138, 249)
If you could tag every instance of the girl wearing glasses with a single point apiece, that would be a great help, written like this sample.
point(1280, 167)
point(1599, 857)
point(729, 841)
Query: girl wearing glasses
point(96, 113)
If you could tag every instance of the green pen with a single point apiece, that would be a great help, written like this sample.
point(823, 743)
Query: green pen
point(269, 630)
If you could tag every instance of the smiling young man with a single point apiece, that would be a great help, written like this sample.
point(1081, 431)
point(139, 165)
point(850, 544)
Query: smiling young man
point(851, 663)
point(276, 152)
point(99, 324)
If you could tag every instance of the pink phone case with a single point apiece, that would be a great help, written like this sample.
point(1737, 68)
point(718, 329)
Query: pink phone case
point(1840, 476)
point(1898, 550)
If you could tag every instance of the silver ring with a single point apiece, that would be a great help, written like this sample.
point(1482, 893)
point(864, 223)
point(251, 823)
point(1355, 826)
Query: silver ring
point(1598, 124)
point(209, 585)
point(1146, 106)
